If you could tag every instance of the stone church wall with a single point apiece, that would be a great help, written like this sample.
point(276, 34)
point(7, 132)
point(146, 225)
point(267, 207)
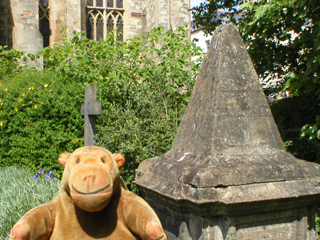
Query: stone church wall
point(67, 16)
point(152, 14)
point(133, 18)
point(25, 32)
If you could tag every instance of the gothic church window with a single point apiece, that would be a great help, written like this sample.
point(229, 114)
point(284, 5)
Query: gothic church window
point(104, 16)
point(44, 21)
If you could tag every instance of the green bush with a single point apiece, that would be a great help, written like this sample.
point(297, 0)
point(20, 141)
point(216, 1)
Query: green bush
point(19, 192)
point(144, 85)
point(39, 119)
point(123, 64)
point(144, 100)
point(9, 61)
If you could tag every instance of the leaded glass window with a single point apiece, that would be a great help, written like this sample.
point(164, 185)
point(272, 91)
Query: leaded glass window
point(44, 21)
point(120, 30)
point(110, 3)
point(104, 16)
point(119, 3)
point(99, 3)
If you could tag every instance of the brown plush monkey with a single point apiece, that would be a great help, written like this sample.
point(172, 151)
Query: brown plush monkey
point(92, 204)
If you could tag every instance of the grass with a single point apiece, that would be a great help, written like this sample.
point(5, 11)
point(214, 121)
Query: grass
point(20, 192)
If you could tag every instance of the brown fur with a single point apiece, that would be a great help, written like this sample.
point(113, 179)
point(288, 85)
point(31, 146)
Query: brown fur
point(92, 204)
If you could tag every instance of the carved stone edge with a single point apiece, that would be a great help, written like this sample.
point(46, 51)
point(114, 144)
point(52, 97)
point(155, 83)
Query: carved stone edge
point(239, 200)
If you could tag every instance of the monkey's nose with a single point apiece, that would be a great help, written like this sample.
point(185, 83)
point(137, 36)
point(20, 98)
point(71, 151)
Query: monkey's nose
point(90, 182)
point(90, 178)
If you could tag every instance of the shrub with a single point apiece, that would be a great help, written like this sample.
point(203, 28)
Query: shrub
point(9, 61)
point(39, 119)
point(19, 192)
point(144, 85)
point(144, 100)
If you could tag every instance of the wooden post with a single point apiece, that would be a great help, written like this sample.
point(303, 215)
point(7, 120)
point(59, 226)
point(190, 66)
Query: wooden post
point(90, 109)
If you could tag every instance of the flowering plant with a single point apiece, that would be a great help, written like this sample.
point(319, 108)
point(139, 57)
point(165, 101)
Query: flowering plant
point(47, 175)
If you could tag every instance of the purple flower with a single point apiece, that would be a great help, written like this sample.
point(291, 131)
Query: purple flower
point(48, 175)
point(35, 177)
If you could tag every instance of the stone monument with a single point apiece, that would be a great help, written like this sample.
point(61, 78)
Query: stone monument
point(228, 175)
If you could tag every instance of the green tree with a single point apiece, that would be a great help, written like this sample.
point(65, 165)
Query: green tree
point(283, 39)
point(210, 14)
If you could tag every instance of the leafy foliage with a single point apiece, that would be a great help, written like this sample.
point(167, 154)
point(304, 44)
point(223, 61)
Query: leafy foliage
point(210, 14)
point(283, 36)
point(144, 85)
point(9, 61)
point(19, 192)
point(39, 119)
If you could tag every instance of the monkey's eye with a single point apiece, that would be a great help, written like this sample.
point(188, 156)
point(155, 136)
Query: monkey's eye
point(78, 160)
point(102, 160)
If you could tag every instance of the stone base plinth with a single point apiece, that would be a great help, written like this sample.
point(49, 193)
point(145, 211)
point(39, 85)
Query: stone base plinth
point(294, 219)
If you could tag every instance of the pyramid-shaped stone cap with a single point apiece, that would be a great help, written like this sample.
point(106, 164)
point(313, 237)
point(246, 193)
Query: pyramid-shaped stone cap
point(228, 142)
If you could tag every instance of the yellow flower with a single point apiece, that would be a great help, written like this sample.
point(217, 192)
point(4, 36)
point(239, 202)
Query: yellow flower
point(20, 99)
point(31, 88)
point(1, 124)
point(6, 89)
point(35, 106)
point(16, 109)
point(46, 85)
point(74, 141)
point(23, 94)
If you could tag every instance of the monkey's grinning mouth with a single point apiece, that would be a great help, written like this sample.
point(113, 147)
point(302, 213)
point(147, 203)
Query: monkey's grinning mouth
point(90, 193)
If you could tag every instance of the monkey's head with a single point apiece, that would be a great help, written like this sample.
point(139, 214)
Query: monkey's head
point(91, 176)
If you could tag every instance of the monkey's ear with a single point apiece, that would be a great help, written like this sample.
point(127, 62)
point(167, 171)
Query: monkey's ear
point(63, 158)
point(120, 159)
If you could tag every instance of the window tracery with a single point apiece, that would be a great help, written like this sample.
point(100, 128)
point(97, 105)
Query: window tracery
point(44, 21)
point(104, 16)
